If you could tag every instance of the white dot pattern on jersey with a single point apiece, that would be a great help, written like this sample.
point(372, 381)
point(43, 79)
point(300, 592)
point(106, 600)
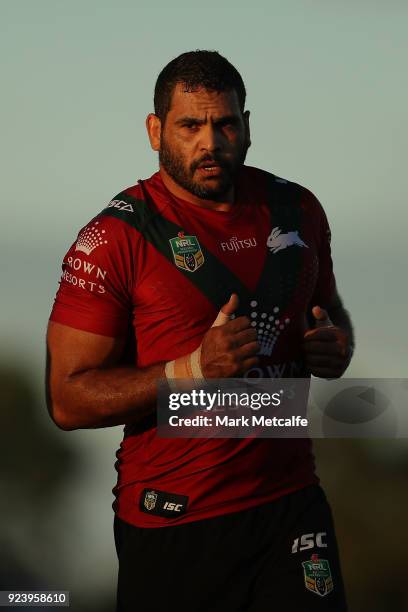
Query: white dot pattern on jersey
point(90, 238)
point(267, 326)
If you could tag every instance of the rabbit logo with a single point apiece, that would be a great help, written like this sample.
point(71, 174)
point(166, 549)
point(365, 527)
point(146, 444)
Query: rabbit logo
point(278, 241)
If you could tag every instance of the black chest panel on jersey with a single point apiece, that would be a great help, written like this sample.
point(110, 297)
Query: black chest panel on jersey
point(277, 281)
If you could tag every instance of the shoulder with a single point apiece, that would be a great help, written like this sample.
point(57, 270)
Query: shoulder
point(122, 219)
point(108, 241)
point(253, 175)
point(271, 184)
point(130, 207)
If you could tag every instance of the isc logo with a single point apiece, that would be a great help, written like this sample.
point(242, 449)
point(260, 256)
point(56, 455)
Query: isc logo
point(173, 507)
point(309, 540)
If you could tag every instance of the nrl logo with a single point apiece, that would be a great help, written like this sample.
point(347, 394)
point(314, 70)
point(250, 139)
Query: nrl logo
point(187, 252)
point(318, 578)
point(278, 241)
point(150, 500)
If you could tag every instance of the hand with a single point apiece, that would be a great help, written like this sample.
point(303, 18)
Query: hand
point(327, 347)
point(229, 347)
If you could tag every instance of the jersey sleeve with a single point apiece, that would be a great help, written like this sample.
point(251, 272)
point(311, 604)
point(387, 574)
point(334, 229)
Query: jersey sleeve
point(95, 292)
point(326, 282)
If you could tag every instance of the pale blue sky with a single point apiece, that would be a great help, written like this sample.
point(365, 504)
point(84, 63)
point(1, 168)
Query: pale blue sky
point(327, 91)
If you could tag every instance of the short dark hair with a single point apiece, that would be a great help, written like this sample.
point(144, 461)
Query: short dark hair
point(196, 69)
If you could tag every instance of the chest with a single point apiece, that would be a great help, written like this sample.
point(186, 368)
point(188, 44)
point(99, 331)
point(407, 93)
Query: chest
point(187, 268)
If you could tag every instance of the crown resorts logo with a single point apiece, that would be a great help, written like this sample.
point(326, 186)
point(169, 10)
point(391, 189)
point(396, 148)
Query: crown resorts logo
point(268, 327)
point(90, 238)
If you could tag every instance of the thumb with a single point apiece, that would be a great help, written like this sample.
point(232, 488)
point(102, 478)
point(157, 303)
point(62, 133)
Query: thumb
point(226, 311)
point(322, 317)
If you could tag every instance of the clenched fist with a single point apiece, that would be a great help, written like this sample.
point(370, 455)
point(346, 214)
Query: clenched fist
point(326, 348)
point(229, 347)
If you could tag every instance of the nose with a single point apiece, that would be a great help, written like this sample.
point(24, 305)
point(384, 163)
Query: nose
point(211, 140)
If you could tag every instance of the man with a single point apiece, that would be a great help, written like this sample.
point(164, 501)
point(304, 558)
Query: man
point(204, 524)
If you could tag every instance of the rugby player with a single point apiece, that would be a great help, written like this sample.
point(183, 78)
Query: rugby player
point(204, 524)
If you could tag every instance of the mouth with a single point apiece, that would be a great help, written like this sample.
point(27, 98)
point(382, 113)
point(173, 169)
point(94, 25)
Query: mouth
point(208, 168)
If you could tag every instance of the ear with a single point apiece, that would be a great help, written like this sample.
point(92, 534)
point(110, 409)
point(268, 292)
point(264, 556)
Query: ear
point(247, 129)
point(153, 126)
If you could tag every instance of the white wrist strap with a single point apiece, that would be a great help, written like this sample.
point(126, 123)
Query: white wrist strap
point(195, 362)
point(186, 367)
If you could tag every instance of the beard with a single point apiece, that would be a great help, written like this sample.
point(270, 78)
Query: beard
point(210, 188)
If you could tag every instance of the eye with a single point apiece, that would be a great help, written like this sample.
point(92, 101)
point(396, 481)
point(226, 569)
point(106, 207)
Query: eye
point(191, 126)
point(227, 124)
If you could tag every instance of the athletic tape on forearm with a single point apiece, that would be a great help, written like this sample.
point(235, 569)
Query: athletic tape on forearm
point(185, 367)
point(195, 363)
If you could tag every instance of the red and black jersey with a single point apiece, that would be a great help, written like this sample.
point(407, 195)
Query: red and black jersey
point(158, 268)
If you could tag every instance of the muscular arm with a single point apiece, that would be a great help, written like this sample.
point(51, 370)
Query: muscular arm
point(85, 386)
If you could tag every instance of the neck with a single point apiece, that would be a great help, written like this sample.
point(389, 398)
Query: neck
point(225, 203)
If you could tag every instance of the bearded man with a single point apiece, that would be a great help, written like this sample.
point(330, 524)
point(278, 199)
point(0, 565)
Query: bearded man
point(208, 269)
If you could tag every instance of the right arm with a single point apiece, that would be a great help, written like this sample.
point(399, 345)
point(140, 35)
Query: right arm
point(87, 389)
point(87, 384)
